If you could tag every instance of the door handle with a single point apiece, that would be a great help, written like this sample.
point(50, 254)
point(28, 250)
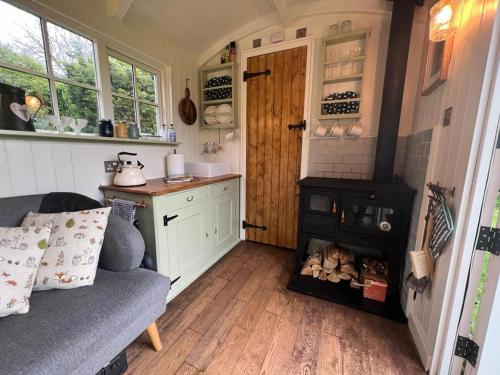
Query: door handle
point(301, 126)
point(189, 199)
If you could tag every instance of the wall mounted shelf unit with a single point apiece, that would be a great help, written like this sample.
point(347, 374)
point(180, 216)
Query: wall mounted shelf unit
point(206, 94)
point(341, 69)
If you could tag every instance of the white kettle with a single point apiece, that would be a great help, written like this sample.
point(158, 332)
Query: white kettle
point(128, 174)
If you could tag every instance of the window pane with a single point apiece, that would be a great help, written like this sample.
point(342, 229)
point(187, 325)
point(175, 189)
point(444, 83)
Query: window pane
point(33, 86)
point(146, 85)
point(121, 77)
point(148, 113)
point(78, 103)
point(72, 55)
point(21, 41)
point(124, 109)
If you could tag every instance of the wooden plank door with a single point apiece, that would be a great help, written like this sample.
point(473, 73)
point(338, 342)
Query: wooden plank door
point(273, 150)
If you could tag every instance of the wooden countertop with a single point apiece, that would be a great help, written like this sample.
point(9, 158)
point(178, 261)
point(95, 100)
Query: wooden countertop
point(159, 187)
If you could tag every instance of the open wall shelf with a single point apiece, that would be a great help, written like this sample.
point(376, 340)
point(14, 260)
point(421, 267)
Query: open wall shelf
point(341, 69)
point(214, 71)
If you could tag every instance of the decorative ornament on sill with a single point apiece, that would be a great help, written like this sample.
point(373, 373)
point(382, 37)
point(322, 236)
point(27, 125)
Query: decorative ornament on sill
point(443, 22)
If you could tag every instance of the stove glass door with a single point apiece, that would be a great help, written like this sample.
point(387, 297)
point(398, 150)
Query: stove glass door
point(323, 203)
point(371, 217)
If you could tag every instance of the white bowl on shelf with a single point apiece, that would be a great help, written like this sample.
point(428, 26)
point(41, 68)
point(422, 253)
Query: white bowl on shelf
point(224, 118)
point(224, 109)
point(210, 110)
point(210, 119)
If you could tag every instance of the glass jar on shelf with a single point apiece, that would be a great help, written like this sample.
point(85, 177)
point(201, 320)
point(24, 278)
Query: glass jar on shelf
point(336, 71)
point(346, 26)
point(347, 69)
point(333, 29)
point(357, 67)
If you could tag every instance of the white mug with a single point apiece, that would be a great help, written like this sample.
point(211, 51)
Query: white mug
point(320, 131)
point(337, 131)
point(355, 129)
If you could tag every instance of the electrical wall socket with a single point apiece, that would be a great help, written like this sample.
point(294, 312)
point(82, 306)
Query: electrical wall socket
point(111, 166)
point(447, 116)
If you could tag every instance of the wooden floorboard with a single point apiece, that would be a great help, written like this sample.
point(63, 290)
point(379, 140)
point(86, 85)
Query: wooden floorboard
point(239, 318)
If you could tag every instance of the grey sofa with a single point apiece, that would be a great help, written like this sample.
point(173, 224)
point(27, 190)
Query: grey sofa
point(78, 331)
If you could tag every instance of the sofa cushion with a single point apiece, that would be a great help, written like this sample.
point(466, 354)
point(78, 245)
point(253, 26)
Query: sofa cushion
point(123, 246)
point(72, 254)
point(21, 250)
point(78, 331)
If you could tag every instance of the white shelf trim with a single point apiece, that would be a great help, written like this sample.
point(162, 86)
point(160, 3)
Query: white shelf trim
point(80, 138)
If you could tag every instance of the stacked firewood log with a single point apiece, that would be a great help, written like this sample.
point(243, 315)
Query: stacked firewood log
point(332, 264)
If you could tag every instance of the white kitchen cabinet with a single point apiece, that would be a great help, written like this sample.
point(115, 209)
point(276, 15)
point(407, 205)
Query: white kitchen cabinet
point(188, 240)
point(225, 209)
point(187, 231)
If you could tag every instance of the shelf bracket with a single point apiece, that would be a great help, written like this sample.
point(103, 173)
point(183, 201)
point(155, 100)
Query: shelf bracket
point(247, 76)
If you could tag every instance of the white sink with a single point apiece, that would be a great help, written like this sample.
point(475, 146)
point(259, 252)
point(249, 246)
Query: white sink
point(207, 169)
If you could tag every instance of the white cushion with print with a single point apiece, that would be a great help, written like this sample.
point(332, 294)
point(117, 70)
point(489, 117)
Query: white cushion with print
point(21, 250)
point(72, 254)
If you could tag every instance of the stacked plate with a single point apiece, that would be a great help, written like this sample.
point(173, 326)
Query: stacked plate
point(218, 115)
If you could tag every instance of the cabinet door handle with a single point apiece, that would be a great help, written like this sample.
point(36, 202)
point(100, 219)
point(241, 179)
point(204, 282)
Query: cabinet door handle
point(215, 230)
point(334, 208)
point(166, 219)
point(206, 234)
point(226, 187)
point(189, 199)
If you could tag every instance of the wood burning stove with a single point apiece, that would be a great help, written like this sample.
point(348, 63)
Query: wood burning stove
point(365, 218)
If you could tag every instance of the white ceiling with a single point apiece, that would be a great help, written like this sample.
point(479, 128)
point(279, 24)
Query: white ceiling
point(202, 25)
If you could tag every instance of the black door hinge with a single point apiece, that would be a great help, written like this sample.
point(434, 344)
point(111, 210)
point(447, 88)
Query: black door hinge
point(488, 240)
point(247, 76)
point(246, 225)
point(166, 219)
point(467, 349)
point(174, 280)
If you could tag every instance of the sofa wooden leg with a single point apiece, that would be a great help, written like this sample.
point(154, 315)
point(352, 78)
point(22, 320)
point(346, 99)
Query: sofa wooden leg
point(154, 336)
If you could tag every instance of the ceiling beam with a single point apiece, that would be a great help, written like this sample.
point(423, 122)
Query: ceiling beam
point(118, 8)
point(283, 11)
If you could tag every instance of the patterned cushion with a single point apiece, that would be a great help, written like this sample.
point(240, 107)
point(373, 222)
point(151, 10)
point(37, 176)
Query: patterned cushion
point(72, 254)
point(21, 250)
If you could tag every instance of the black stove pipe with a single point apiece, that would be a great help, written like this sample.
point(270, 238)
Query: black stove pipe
point(394, 81)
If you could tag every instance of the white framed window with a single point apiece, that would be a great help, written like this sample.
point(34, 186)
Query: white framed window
point(52, 62)
point(78, 74)
point(135, 90)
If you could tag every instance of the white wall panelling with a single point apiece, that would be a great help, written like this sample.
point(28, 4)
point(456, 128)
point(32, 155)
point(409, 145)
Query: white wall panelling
point(452, 160)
